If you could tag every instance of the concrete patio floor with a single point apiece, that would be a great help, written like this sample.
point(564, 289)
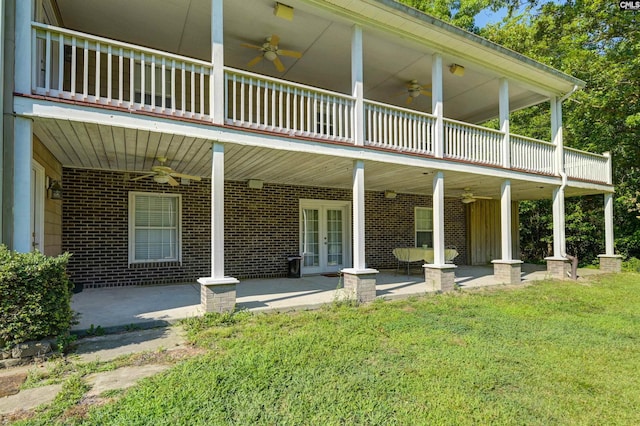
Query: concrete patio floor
point(130, 307)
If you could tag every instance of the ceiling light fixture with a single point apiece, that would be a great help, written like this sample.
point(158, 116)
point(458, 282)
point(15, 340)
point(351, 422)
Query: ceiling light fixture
point(283, 11)
point(456, 70)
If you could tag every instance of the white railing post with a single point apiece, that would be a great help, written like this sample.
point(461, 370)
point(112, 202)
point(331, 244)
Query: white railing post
point(357, 84)
point(609, 169)
point(504, 123)
point(437, 107)
point(217, 105)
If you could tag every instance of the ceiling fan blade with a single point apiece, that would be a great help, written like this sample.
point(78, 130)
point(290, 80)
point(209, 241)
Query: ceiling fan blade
point(251, 46)
point(142, 177)
point(278, 63)
point(254, 61)
point(479, 197)
point(425, 92)
point(291, 53)
point(172, 181)
point(409, 100)
point(275, 40)
point(190, 177)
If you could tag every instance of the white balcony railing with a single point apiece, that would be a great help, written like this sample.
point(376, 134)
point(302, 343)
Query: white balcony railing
point(77, 66)
point(463, 141)
point(398, 128)
point(260, 102)
point(532, 155)
point(80, 67)
point(586, 166)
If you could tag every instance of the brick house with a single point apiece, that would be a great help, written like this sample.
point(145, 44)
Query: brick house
point(168, 142)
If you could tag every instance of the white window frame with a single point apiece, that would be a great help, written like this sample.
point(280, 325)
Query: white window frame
point(415, 224)
point(132, 233)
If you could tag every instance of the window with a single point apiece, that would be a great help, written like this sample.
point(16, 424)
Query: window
point(424, 227)
point(154, 227)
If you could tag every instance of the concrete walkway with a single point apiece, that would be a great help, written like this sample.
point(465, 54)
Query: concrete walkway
point(102, 349)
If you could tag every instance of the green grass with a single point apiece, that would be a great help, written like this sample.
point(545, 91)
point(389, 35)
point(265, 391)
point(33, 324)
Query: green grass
point(550, 353)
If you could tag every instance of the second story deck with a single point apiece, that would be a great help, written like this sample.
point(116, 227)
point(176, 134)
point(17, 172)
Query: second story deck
point(73, 66)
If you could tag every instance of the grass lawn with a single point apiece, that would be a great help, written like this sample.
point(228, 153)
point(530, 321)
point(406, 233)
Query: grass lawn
point(549, 353)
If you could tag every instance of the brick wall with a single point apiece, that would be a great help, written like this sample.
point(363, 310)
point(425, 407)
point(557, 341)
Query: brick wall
point(261, 228)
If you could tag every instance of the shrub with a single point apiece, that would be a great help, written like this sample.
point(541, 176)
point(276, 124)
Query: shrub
point(631, 265)
point(35, 296)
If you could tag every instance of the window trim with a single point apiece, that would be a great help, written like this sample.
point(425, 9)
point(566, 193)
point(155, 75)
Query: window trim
point(131, 237)
point(415, 224)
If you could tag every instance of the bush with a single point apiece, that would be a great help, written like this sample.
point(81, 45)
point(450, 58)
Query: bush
point(35, 296)
point(631, 265)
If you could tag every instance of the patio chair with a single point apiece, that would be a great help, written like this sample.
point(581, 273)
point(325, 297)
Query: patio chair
point(406, 255)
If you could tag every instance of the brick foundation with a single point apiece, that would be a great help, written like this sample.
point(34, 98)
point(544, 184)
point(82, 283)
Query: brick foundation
point(218, 295)
point(507, 271)
point(261, 228)
point(439, 278)
point(558, 268)
point(360, 285)
point(610, 264)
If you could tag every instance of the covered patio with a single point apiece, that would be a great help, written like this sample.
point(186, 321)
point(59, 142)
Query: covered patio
point(122, 308)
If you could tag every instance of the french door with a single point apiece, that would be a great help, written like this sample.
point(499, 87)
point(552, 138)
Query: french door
point(325, 236)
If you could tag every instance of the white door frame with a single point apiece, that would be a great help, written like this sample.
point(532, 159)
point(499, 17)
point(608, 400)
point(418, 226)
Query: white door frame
point(37, 206)
point(322, 205)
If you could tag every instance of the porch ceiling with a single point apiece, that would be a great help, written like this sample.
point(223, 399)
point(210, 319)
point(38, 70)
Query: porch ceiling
point(324, 36)
point(103, 147)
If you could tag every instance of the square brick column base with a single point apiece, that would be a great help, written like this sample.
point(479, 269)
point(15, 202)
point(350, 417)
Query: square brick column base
point(218, 294)
point(507, 271)
point(439, 278)
point(610, 263)
point(360, 285)
point(558, 268)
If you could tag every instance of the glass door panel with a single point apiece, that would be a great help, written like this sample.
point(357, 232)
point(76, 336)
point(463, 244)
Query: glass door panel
point(334, 238)
point(311, 237)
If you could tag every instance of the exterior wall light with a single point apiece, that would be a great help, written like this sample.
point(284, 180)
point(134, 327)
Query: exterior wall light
point(55, 190)
point(390, 194)
point(255, 183)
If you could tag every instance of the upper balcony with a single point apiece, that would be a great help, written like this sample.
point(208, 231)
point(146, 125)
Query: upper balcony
point(312, 96)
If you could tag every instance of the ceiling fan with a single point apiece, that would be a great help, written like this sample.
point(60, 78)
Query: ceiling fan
point(271, 51)
point(165, 174)
point(415, 89)
point(467, 197)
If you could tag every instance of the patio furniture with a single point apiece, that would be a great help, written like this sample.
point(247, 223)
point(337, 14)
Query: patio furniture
point(415, 254)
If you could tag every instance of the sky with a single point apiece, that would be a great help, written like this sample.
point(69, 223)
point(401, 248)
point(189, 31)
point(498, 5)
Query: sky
point(489, 17)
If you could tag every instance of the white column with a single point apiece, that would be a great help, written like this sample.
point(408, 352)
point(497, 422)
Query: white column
point(505, 220)
point(558, 223)
point(559, 243)
point(504, 122)
point(437, 106)
point(2, 27)
point(438, 219)
point(22, 155)
point(23, 48)
point(357, 84)
point(358, 215)
point(608, 224)
point(216, 91)
point(217, 212)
